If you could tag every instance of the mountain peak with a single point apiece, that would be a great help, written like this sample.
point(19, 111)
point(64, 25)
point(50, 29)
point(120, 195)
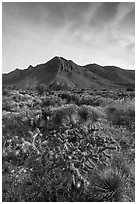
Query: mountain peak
point(56, 58)
point(63, 65)
point(63, 71)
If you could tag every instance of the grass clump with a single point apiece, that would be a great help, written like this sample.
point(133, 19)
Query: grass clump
point(110, 183)
point(121, 115)
point(87, 114)
point(83, 114)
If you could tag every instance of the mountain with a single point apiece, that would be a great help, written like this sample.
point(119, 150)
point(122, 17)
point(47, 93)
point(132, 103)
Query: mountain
point(65, 74)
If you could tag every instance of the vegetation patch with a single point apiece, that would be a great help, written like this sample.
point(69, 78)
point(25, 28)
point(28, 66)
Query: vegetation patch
point(59, 146)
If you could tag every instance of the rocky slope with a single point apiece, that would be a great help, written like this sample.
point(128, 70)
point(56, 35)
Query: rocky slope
point(65, 74)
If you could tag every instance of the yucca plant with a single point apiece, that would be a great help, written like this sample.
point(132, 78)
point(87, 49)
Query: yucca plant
point(83, 114)
point(86, 115)
point(94, 116)
point(110, 183)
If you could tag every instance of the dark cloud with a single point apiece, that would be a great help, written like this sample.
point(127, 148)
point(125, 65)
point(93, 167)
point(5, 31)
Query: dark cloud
point(105, 12)
point(63, 14)
point(38, 10)
point(62, 9)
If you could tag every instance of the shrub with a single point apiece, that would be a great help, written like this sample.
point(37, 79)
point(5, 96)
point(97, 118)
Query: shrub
point(83, 114)
point(5, 92)
point(40, 89)
point(121, 116)
point(58, 117)
point(6, 106)
point(56, 154)
point(92, 101)
point(110, 183)
point(66, 96)
point(51, 101)
point(75, 98)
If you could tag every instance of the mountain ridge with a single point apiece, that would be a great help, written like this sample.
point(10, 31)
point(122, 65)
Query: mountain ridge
point(59, 71)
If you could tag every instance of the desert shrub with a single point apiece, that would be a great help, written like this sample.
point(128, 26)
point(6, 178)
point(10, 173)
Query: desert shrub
point(110, 183)
point(40, 89)
point(87, 114)
point(16, 98)
point(66, 96)
point(56, 154)
point(58, 117)
point(56, 175)
point(106, 101)
point(51, 101)
point(75, 98)
point(92, 101)
point(83, 114)
point(6, 106)
point(48, 101)
point(69, 97)
point(15, 126)
point(5, 92)
point(85, 100)
point(121, 116)
point(46, 112)
point(130, 87)
point(62, 114)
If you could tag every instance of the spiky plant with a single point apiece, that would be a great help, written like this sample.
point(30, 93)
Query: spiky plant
point(94, 116)
point(83, 114)
point(109, 184)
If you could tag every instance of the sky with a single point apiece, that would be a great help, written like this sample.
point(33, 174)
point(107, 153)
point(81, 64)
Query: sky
point(85, 32)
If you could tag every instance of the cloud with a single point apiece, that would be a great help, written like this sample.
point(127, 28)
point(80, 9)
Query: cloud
point(127, 23)
point(105, 13)
point(85, 32)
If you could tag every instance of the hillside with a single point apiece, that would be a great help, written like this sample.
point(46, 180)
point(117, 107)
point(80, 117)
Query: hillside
point(67, 75)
